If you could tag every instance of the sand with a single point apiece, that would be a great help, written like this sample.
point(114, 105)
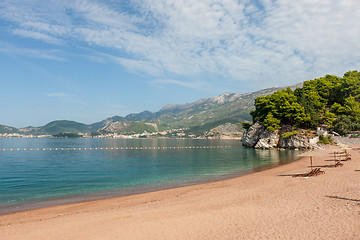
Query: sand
point(264, 205)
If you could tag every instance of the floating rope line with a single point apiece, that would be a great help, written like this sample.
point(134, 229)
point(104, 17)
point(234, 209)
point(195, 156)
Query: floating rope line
point(114, 148)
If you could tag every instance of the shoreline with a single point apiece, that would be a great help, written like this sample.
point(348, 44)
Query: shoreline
point(6, 209)
point(267, 204)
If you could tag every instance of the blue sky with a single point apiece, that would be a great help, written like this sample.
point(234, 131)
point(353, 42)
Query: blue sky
point(88, 60)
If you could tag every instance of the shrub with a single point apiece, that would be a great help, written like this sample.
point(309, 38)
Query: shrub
point(246, 125)
point(289, 134)
point(325, 140)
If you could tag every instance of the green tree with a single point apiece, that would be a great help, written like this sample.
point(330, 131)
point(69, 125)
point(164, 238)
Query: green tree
point(271, 123)
point(343, 125)
point(327, 100)
point(263, 106)
point(281, 107)
point(352, 108)
point(328, 118)
point(351, 85)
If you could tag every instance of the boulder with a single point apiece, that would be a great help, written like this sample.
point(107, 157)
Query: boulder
point(314, 140)
point(252, 135)
point(295, 141)
point(268, 140)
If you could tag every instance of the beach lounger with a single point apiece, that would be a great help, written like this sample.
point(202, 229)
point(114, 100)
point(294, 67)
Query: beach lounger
point(343, 158)
point(344, 154)
point(313, 172)
point(339, 152)
point(337, 164)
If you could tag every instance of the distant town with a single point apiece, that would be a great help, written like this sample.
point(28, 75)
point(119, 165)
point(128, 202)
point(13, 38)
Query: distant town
point(173, 133)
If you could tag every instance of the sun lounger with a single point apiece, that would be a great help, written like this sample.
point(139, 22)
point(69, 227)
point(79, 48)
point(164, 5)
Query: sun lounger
point(343, 158)
point(344, 154)
point(339, 152)
point(337, 164)
point(313, 172)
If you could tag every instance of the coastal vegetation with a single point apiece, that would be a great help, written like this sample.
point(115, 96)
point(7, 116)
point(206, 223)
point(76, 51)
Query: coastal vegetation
point(325, 140)
point(329, 101)
point(67, 135)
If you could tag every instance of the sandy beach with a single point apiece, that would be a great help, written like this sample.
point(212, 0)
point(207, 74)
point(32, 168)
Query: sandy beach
point(265, 205)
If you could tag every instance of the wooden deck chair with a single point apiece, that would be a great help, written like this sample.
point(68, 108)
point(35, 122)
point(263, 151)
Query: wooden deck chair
point(313, 172)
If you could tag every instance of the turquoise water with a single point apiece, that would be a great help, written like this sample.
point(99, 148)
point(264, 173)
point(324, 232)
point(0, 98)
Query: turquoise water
point(44, 176)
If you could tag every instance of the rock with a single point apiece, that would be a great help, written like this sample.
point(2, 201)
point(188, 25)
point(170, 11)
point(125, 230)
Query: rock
point(256, 136)
point(268, 140)
point(335, 134)
point(295, 141)
point(314, 140)
point(252, 135)
point(321, 131)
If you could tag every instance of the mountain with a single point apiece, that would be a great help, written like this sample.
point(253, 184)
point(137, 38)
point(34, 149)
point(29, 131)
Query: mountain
point(226, 107)
point(196, 118)
point(7, 129)
point(143, 116)
point(64, 126)
point(206, 113)
point(95, 126)
point(128, 127)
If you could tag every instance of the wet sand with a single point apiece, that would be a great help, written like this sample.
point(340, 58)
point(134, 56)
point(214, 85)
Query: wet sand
point(265, 205)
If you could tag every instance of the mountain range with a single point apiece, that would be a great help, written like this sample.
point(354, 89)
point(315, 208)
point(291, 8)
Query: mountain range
point(196, 118)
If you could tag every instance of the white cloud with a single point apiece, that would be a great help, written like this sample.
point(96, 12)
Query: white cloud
point(66, 97)
point(52, 54)
point(266, 42)
point(323, 33)
point(200, 85)
point(37, 36)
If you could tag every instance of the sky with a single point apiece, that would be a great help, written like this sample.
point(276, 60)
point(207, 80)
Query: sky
point(87, 60)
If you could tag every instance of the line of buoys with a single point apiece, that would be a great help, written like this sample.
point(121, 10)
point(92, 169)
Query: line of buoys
point(113, 148)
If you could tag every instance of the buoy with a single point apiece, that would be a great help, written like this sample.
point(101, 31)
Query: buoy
point(112, 148)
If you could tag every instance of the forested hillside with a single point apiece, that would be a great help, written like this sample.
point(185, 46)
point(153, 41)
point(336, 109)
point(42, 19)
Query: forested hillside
point(329, 100)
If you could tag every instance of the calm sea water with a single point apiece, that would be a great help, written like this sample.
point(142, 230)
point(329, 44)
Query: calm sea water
point(38, 177)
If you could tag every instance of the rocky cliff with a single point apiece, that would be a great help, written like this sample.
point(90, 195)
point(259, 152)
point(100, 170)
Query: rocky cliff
point(258, 137)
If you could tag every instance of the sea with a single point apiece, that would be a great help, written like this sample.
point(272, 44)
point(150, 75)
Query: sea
point(42, 172)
